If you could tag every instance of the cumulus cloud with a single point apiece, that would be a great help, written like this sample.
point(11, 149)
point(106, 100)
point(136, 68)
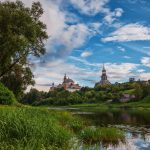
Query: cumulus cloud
point(146, 61)
point(129, 32)
point(93, 7)
point(111, 16)
point(89, 7)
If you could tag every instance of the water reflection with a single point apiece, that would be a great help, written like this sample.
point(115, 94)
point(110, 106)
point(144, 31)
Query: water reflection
point(113, 117)
point(135, 124)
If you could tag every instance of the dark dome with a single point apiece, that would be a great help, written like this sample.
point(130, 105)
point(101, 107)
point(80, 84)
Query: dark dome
point(68, 80)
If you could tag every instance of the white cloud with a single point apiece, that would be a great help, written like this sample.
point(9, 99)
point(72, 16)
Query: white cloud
point(146, 47)
point(126, 57)
point(93, 7)
point(121, 48)
point(111, 16)
point(129, 32)
point(89, 7)
point(63, 38)
point(55, 70)
point(146, 61)
point(120, 72)
point(144, 76)
point(140, 70)
point(86, 54)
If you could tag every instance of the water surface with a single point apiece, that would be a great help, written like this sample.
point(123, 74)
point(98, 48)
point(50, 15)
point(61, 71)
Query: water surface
point(135, 124)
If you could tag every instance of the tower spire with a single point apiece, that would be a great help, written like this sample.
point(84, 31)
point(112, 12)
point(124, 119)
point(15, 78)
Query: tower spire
point(103, 67)
point(65, 77)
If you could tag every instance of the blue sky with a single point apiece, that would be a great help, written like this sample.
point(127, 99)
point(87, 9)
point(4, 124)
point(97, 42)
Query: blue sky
point(84, 34)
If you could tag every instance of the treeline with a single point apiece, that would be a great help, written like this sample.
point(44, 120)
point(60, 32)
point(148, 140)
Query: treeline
point(98, 94)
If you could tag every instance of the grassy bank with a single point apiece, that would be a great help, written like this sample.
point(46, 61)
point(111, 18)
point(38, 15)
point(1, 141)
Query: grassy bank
point(31, 128)
point(131, 105)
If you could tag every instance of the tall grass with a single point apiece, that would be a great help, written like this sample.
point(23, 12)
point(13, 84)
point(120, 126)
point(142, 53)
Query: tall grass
point(30, 128)
point(102, 136)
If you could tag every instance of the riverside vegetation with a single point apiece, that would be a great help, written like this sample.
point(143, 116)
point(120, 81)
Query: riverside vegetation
point(28, 128)
point(97, 95)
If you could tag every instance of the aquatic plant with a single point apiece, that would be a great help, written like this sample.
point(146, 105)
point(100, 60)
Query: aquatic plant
point(102, 135)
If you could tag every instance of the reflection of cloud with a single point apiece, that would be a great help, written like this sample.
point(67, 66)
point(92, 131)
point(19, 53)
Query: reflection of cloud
point(132, 144)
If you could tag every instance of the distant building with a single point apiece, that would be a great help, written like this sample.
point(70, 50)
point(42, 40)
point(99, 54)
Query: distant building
point(126, 97)
point(104, 80)
point(68, 84)
point(131, 80)
point(52, 88)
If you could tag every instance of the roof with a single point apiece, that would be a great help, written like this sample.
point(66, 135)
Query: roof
point(68, 80)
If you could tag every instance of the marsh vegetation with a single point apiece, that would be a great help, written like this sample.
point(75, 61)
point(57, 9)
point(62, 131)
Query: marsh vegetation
point(40, 128)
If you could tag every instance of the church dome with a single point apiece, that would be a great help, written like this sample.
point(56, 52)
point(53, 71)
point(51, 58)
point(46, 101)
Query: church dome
point(68, 80)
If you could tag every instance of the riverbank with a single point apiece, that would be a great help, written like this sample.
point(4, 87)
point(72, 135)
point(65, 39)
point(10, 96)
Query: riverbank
point(39, 128)
point(105, 106)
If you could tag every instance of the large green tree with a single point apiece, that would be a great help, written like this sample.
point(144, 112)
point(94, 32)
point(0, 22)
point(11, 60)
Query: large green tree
point(22, 34)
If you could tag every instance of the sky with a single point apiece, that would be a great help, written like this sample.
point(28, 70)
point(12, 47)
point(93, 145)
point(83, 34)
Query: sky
point(84, 34)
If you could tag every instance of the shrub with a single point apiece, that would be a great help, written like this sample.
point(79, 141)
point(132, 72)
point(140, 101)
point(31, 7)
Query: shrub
point(6, 96)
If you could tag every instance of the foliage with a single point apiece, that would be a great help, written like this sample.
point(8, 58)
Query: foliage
point(6, 96)
point(18, 79)
point(88, 95)
point(33, 96)
point(22, 35)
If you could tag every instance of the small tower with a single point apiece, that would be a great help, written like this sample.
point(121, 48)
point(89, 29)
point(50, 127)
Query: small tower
point(103, 80)
point(103, 76)
point(65, 77)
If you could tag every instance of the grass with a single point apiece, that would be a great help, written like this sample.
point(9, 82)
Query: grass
point(92, 135)
point(29, 128)
point(36, 129)
point(129, 91)
point(144, 104)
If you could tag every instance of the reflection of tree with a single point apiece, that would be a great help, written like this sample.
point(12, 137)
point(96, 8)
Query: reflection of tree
point(132, 117)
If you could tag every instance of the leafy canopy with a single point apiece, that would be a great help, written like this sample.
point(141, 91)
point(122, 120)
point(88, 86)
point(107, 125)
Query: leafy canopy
point(22, 35)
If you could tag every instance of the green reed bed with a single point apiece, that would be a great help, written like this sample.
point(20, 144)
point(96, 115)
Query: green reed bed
point(102, 135)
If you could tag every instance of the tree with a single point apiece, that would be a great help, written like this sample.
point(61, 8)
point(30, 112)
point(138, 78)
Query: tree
point(6, 96)
point(22, 34)
point(18, 79)
point(32, 96)
point(138, 91)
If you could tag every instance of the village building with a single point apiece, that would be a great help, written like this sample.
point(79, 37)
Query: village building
point(104, 80)
point(68, 84)
point(127, 97)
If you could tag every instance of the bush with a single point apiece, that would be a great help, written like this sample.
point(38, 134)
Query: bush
point(6, 96)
